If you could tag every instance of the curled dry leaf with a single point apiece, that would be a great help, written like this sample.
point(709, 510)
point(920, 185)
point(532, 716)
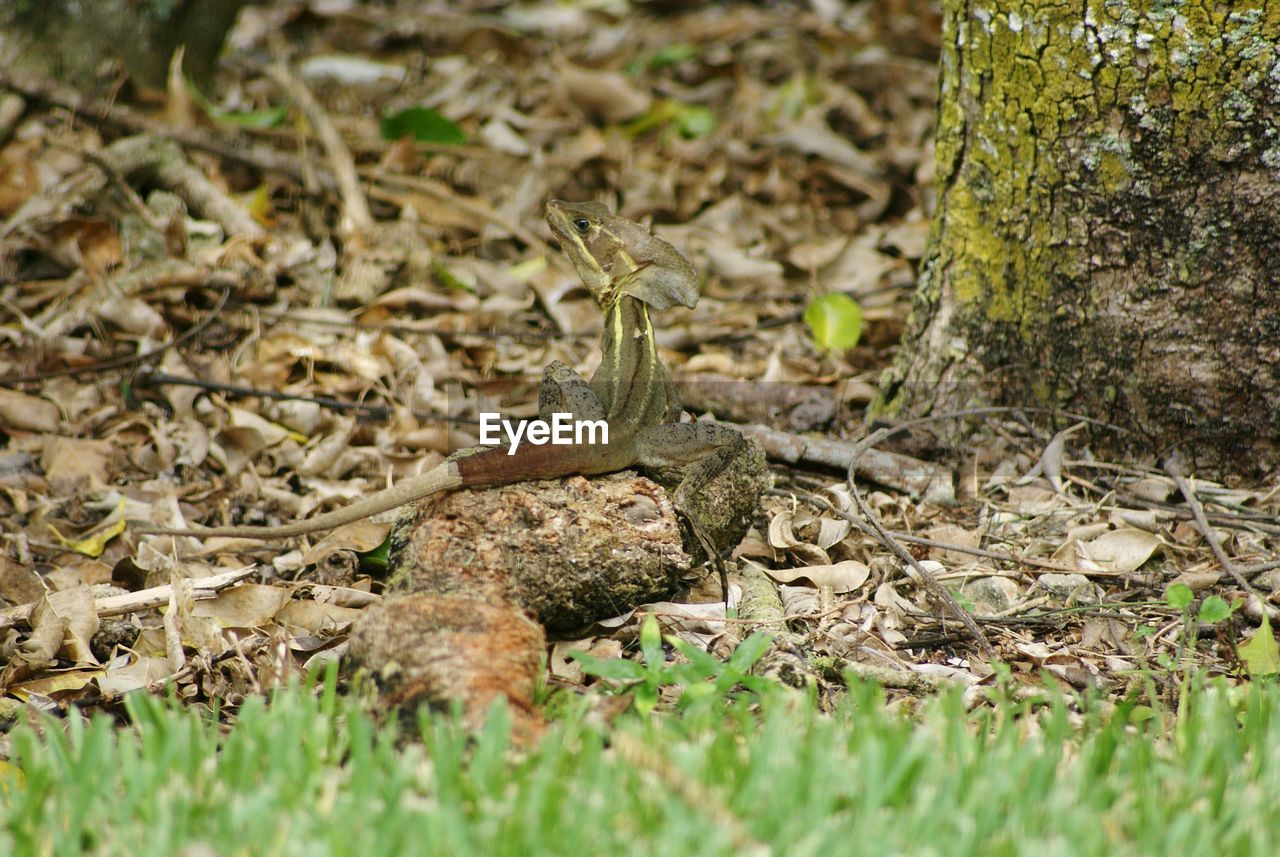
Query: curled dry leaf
point(127, 677)
point(798, 600)
point(781, 531)
point(63, 622)
point(832, 531)
point(697, 623)
point(845, 576)
point(1144, 519)
point(359, 536)
point(1050, 463)
point(247, 605)
point(932, 566)
point(1120, 551)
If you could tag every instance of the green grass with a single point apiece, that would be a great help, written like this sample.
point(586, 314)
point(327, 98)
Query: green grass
point(307, 775)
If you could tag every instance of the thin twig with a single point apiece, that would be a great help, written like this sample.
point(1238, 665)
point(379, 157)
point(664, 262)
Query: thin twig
point(930, 582)
point(357, 221)
point(871, 526)
point(476, 209)
point(134, 359)
point(1173, 467)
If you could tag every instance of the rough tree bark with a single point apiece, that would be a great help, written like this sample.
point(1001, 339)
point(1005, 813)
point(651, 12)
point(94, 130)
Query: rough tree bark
point(70, 39)
point(1107, 237)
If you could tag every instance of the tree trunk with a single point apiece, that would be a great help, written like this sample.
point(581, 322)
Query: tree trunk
point(70, 39)
point(1107, 239)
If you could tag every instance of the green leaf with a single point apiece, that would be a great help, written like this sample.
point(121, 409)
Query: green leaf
point(1260, 654)
point(615, 669)
point(695, 693)
point(701, 664)
point(835, 320)
point(1214, 610)
point(1141, 714)
point(749, 651)
point(450, 280)
point(269, 118)
point(378, 557)
point(695, 121)
point(658, 114)
point(422, 124)
point(646, 697)
point(651, 643)
point(1179, 596)
point(672, 54)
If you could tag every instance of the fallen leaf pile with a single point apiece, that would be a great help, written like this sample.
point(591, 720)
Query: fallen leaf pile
point(210, 315)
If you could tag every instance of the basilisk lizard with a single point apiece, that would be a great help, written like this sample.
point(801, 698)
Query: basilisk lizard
point(627, 269)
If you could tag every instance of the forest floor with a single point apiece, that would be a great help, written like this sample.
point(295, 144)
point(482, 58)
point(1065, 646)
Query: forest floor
point(168, 256)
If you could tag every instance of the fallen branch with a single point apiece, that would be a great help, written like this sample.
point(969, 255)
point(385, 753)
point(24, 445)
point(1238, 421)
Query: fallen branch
point(919, 479)
point(202, 588)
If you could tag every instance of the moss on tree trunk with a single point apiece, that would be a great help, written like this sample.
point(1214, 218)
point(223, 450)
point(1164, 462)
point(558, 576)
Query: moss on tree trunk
point(1108, 230)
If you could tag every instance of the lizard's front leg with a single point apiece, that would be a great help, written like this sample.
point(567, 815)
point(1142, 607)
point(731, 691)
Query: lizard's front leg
point(565, 391)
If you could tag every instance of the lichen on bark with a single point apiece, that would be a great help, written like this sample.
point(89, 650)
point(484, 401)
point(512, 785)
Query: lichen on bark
point(1109, 174)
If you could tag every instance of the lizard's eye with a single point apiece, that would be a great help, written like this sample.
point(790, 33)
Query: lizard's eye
point(582, 225)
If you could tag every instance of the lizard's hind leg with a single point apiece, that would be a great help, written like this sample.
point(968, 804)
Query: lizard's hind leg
point(706, 449)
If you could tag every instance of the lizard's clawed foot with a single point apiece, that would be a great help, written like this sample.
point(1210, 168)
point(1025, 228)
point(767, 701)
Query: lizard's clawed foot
point(712, 552)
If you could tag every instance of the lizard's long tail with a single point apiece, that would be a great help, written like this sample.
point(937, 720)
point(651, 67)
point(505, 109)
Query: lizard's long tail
point(442, 477)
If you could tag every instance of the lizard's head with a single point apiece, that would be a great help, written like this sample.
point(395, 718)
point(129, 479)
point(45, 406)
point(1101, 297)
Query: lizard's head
point(581, 229)
point(616, 256)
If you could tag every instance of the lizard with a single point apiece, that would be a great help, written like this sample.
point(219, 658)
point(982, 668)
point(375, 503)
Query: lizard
point(627, 269)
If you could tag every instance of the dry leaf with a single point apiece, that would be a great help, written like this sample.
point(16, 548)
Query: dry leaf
point(1119, 550)
point(19, 583)
point(246, 605)
point(1196, 581)
point(70, 462)
point(842, 577)
point(27, 413)
point(72, 618)
point(312, 617)
point(115, 681)
point(606, 94)
point(360, 536)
